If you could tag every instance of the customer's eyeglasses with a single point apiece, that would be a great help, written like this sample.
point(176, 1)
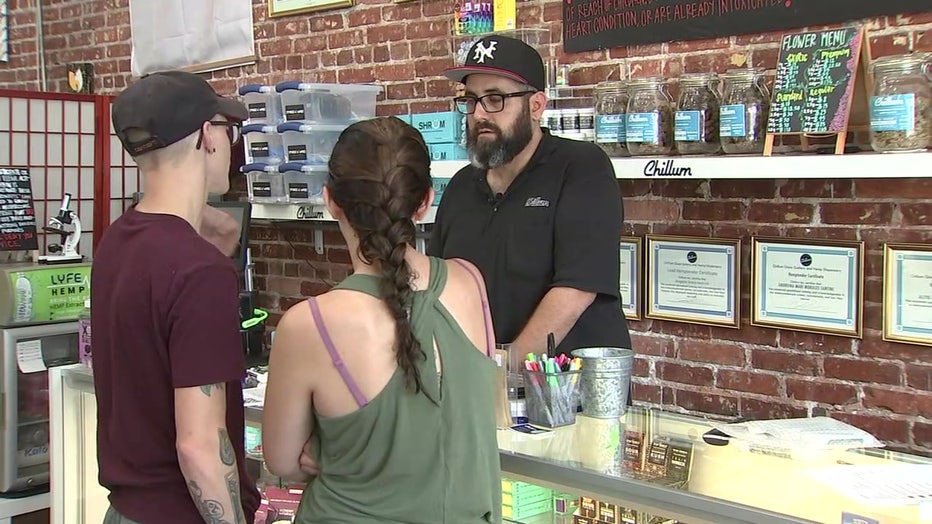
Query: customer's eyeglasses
point(234, 131)
point(491, 103)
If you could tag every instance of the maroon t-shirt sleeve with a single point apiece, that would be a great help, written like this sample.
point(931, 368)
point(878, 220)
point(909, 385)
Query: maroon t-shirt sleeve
point(204, 343)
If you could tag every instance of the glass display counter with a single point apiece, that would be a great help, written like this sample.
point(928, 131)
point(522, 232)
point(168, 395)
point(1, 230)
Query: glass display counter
point(651, 467)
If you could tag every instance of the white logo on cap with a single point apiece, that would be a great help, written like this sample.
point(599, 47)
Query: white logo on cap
point(483, 52)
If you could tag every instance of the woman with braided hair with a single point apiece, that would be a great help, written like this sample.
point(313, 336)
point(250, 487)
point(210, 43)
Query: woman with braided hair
point(387, 378)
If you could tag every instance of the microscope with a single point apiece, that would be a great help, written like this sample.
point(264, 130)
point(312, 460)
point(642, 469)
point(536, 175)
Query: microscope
point(67, 250)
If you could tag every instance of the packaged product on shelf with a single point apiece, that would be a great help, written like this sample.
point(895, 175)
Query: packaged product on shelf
point(901, 103)
point(744, 111)
point(551, 120)
point(696, 129)
point(569, 120)
point(84, 335)
point(611, 105)
point(588, 507)
point(263, 103)
point(447, 151)
point(649, 118)
point(585, 118)
point(441, 127)
point(608, 513)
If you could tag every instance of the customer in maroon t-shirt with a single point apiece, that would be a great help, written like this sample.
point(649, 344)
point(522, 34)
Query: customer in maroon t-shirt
point(168, 358)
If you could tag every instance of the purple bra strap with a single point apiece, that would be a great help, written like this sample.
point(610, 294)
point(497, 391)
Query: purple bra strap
point(485, 307)
point(334, 356)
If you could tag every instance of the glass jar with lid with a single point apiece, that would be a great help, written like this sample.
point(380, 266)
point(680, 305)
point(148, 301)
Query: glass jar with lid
point(649, 118)
point(901, 103)
point(744, 111)
point(611, 104)
point(696, 129)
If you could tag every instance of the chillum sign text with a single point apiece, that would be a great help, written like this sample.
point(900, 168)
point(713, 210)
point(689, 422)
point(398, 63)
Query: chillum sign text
point(665, 168)
point(308, 213)
point(603, 24)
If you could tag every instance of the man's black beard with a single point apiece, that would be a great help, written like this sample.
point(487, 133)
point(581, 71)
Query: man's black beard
point(501, 150)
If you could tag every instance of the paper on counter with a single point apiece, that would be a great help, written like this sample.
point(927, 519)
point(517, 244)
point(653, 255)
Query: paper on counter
point(801, 433)
point(254, 397)
point(29, 356)
point(884, 484)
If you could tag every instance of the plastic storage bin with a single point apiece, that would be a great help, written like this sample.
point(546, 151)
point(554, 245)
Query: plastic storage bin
point(304, 183)
point(327, 103)
point(309, 143)
point(263, 103)
point(263, 144)
point(265, 183)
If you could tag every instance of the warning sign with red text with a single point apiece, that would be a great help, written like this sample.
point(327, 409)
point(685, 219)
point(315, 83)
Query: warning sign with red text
point(603, 24)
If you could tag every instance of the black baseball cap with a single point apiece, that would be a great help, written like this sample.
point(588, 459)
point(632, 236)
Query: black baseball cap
point(169, 106)
point(502, 56)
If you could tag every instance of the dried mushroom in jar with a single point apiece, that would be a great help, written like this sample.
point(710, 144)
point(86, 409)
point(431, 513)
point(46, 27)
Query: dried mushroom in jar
point(744, 111)
point(611, 101)
point(901, 105)
point(649, 120)
point(696, 126)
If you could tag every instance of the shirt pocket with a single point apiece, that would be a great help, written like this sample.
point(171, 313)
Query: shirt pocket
point(530, 251)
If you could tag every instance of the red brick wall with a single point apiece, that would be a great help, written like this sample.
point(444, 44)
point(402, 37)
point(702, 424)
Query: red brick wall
point(754, 372)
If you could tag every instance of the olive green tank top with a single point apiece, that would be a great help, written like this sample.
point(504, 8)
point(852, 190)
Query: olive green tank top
point(425, 458)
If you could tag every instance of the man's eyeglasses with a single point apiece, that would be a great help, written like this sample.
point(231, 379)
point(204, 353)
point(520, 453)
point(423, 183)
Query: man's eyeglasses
point(491, 103)
point(234, 131)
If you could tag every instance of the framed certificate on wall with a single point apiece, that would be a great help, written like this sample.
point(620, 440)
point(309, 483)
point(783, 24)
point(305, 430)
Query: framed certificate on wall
point(629, 277)
point(693, 280)
point(807, 285)
point(907, 293)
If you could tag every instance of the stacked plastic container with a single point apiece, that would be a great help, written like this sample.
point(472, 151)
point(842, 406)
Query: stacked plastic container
point(290, 134)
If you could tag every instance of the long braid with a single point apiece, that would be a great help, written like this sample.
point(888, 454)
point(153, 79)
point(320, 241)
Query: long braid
point(379, 204)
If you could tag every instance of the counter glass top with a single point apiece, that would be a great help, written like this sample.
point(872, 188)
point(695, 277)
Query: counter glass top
point(659, 462)
point(658, 458)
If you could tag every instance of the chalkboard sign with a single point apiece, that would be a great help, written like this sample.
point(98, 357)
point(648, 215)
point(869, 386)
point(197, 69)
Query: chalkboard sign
point(17, 215)
point(603, 24)
point(814, 84)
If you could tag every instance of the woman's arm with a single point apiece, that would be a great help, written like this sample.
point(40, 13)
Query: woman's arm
point(286, 416)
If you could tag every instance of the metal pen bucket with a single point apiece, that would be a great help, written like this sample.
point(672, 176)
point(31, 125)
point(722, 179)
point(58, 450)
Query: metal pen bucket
point(605, 380)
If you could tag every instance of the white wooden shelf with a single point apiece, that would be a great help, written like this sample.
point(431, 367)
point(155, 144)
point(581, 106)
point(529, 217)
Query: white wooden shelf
point(851, 165)
point(307, 212)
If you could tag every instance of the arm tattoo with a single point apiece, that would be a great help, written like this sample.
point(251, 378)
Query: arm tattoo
point(211, 510)
point(227, 455)
point(232, 479)
point(207, 388)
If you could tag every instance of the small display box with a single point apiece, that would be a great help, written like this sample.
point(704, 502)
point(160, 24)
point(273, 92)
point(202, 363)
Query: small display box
point(263, 103)
point(327, 103)
point(309, 143)
point(304, 183)
point(265, 183)
point(263, 144)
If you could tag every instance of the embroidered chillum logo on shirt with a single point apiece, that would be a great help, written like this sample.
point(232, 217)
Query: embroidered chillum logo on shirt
point(537, 202)
point(483, 52)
